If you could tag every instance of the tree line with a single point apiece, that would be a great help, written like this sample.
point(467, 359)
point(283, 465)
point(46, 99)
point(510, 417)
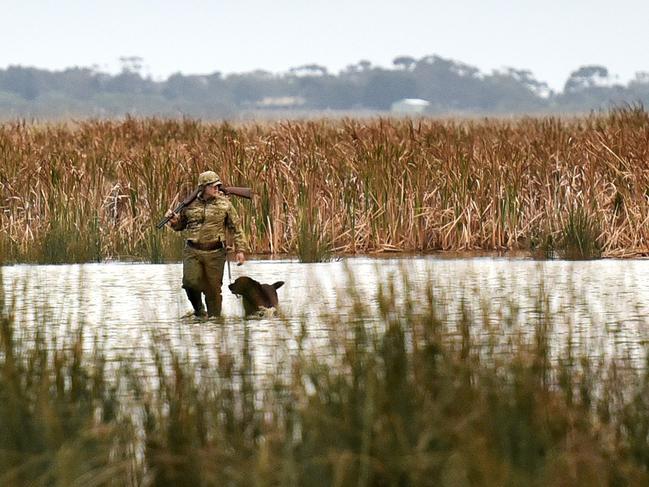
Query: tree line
point(449, 86)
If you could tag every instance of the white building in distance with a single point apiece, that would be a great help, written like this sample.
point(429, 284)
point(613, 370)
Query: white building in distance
point(409, 106)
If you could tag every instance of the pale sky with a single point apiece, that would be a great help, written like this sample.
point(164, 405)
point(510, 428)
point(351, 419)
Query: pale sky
point(550, 38)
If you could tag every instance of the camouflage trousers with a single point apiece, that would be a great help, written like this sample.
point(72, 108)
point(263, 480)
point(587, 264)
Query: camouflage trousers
point(203, 273)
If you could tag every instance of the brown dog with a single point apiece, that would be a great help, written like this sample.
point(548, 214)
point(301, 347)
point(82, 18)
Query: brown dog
point(257, 297)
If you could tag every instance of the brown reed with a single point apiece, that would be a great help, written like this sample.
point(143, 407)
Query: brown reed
point(95, 189)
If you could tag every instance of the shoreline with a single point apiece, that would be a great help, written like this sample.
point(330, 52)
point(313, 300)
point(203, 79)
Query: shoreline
point(514, 255)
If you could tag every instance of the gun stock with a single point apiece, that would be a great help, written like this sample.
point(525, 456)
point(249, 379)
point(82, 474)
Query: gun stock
point(238, 191)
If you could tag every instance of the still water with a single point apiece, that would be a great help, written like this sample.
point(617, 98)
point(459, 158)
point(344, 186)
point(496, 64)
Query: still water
point(602, 304)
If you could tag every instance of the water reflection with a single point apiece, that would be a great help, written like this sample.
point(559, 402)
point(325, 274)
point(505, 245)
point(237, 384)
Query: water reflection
point(602, 304)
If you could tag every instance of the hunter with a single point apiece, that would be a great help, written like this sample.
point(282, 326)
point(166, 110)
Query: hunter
point(205, 221)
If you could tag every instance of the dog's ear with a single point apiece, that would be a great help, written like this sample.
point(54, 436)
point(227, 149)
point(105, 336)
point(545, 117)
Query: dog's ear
point(278, 284)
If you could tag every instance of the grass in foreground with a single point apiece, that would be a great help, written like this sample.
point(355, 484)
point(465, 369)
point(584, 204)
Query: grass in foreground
point(413, 398)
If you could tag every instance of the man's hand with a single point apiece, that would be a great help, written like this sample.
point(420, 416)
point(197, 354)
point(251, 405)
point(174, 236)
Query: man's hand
point(240, 258)
point(173, 217)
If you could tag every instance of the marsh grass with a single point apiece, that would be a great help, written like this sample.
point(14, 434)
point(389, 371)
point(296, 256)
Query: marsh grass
point(580, 236)
point(542, 243)
point(313, 245)
point(60, 416)
point(63, 242)
point(410, 396)
point(94, 190)
point(577, 237)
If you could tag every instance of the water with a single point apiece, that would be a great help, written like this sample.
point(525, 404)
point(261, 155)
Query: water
point(603, 304)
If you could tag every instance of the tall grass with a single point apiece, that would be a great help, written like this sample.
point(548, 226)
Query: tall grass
point(366, 185)
point(312, 242)
point(60, 418)
point(409, 398)
point(580, 236)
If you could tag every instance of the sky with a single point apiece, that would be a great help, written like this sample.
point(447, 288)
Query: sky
point(550, 38)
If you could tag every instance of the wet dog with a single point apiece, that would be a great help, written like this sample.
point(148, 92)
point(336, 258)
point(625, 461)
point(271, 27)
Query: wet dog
point(257, 298)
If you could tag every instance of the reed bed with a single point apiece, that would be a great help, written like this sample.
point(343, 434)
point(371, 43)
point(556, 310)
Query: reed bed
point(94, 190)
point(411, 399)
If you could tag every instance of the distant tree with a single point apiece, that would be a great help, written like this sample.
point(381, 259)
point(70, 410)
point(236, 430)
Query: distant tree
point(219, 89)
point(190, 87)
point(638, 89)
point(250, 87)
point(22, 81)
point(512, 91)
point(77, 83)
point(245, 89)
point(385, 87)
point(129, 82)
point(364, 65)
point(131, 64)
point(526, 79)
point(641, 77)
point(448, 84)
point(586, 77)
point(590, 88)
point(404, 62)
point(328, 92)
point(350, 69)
point(309, 70)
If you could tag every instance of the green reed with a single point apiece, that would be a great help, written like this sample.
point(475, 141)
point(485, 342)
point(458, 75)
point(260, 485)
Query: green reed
point(580, 235)
point(312, 242)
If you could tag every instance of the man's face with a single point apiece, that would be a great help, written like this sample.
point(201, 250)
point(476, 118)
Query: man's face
point(211, 190)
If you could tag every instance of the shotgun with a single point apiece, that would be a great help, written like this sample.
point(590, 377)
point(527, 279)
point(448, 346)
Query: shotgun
point(227, 190)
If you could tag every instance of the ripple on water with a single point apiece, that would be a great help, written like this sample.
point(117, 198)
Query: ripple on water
point(601, 304)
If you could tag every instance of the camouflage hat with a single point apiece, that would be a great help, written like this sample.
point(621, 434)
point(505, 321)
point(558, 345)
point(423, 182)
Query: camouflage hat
point(208, 177)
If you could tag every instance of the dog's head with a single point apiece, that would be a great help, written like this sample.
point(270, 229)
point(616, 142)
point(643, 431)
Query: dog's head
point(242, 285)
point(256, 296)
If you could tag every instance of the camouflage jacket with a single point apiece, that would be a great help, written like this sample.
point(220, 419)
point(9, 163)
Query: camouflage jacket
point(206, 221)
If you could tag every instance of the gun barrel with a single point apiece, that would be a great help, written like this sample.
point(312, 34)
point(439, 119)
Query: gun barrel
point(164, 221)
